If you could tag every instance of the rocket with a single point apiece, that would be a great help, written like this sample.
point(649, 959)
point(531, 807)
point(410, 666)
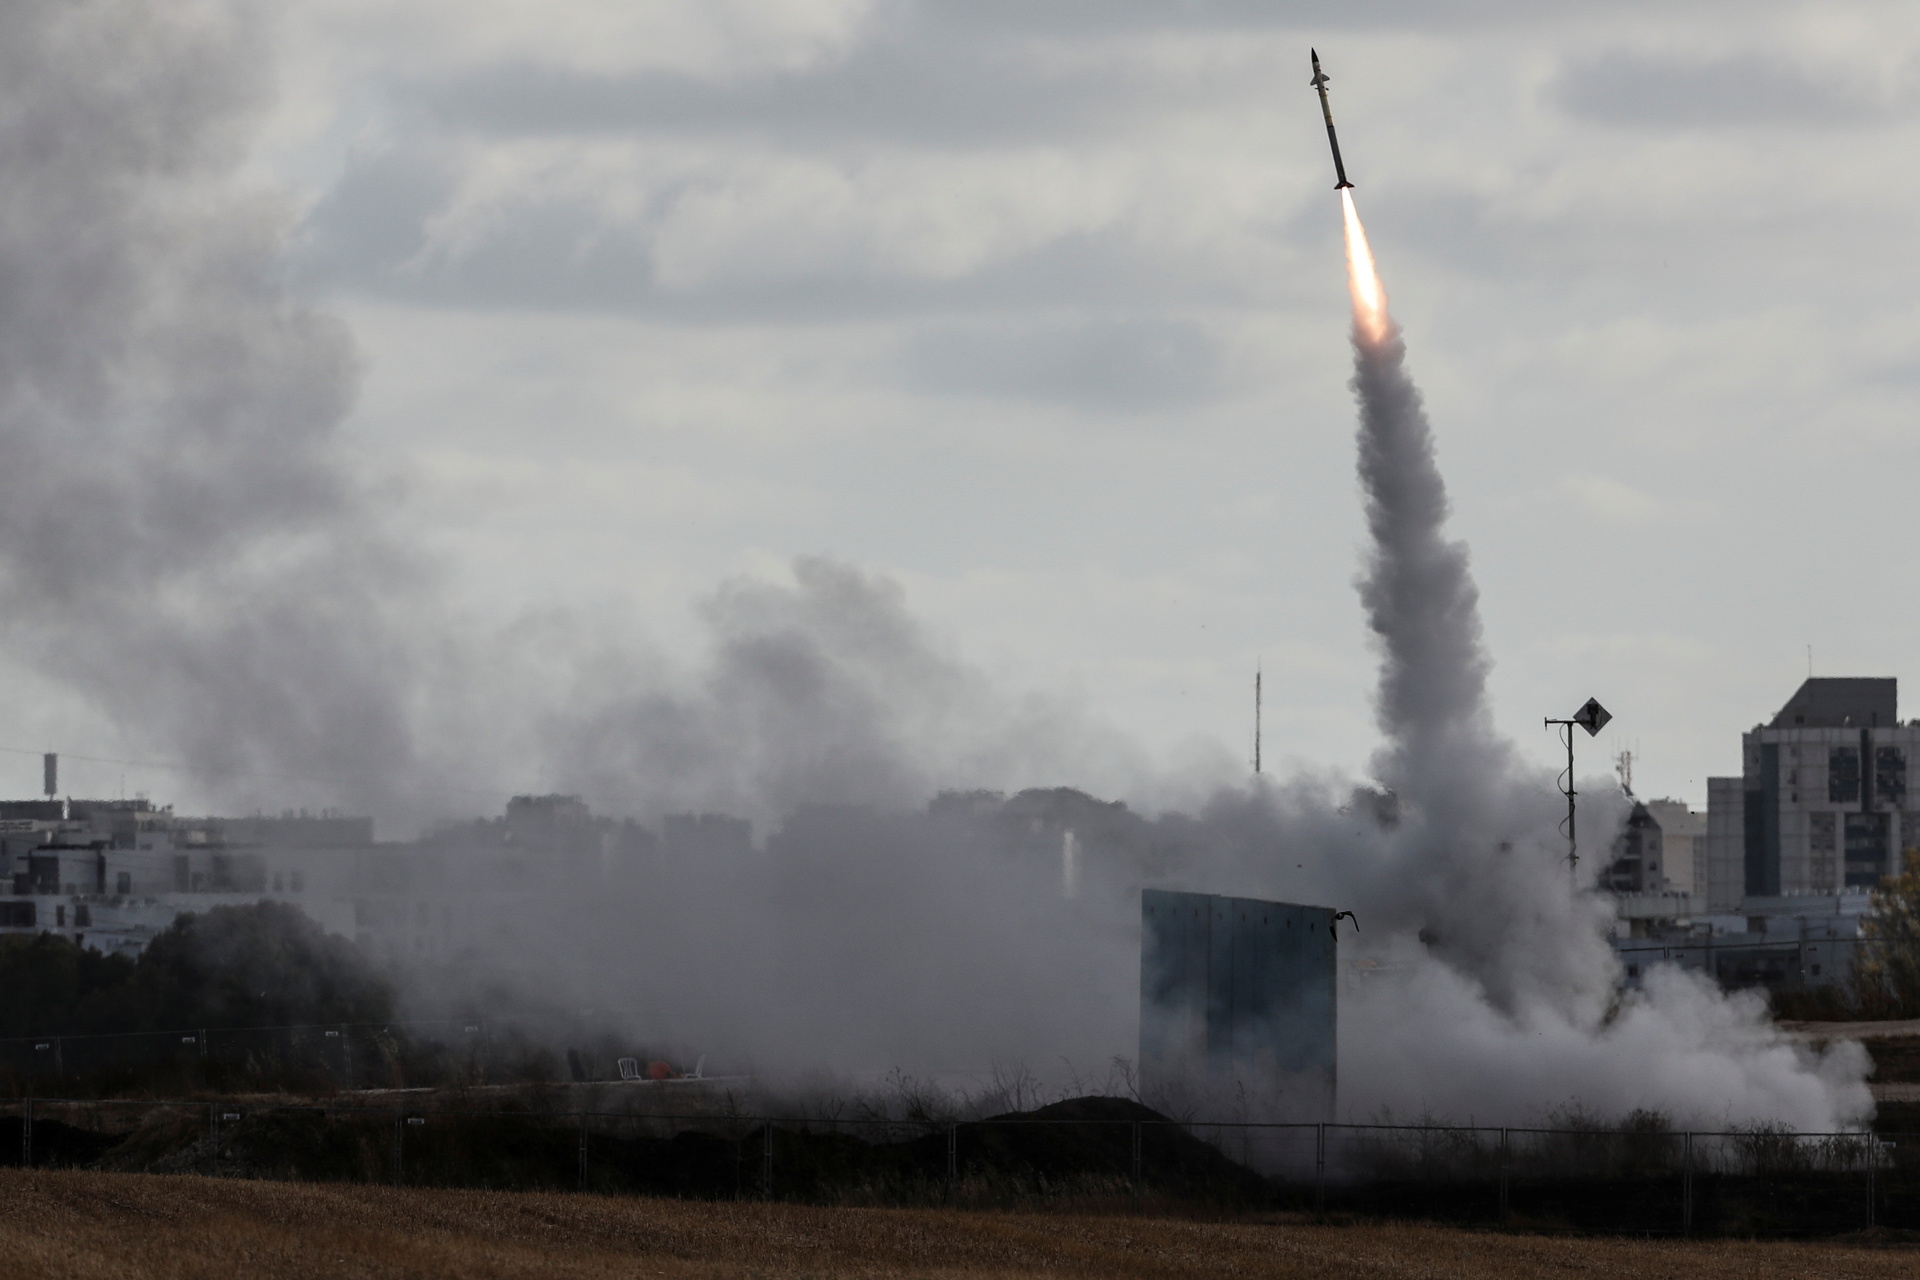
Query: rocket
point(1319, 82)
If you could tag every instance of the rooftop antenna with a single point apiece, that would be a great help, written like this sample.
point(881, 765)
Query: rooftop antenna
point(50, 773)
point(1623, 765)
point(1593, 718)
point(1256, 718)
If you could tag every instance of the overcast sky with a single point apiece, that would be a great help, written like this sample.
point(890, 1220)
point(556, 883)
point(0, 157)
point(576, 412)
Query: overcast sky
point(1038, 308)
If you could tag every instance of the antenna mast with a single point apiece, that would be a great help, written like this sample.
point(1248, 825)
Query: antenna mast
point(1256, 720)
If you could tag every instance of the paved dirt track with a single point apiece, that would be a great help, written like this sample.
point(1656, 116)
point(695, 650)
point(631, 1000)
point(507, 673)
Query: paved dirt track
point(107, 1226)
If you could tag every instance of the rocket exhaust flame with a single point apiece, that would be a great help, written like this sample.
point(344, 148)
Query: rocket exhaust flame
point(1370, 321)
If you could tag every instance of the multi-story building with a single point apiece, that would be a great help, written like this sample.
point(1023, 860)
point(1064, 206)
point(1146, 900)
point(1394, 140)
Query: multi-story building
point(1638, 854)
point(1818, 817)
point(1821, 806)
point(1773, 889)
point(113, 874)
point(110, 874)
point(1652, 872)
point(1683, 841)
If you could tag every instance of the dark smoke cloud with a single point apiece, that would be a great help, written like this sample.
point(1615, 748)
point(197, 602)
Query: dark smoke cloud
point(181, 540)
point(826, 691)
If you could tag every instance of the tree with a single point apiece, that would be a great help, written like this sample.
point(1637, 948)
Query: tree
point(264, 965)
point(49, 986)
point(1886, 967)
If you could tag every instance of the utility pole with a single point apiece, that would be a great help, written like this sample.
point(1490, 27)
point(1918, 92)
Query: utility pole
point(1256, 720)
point(1592, 717)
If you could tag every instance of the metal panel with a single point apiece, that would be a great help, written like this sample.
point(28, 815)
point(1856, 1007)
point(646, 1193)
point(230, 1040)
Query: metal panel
point(1236, 990)
point(1173, 978)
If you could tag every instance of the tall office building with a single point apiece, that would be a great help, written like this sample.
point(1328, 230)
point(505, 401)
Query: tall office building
point(1821, 806)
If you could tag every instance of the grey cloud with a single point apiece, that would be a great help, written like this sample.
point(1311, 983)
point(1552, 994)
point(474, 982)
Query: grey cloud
point(931, 76)
point(1079, 18)
point(1677, 93)
point(952, 96)
point(368, 233)
point(1103, 364)
point(374, 218)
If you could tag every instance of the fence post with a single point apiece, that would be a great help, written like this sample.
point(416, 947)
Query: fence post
point(213, 1126)
point(583, 1151)
point(26, 1138)
point(1506, 1201)
point(1136, 1161)
point(1320, 1167)
point(953, 1159)
point(1873, 1161)
point(1686, 1186)
point(766, 1161)
point(399, 1146)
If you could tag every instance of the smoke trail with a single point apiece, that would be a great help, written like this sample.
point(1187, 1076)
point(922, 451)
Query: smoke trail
point(1508, 993)
point(1420, 598)
point(1452, 775)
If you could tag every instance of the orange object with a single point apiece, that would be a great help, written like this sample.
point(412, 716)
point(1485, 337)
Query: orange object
point(660, 1071)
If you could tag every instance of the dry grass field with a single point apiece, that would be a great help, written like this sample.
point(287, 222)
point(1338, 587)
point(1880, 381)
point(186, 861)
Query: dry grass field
point(109, 1226)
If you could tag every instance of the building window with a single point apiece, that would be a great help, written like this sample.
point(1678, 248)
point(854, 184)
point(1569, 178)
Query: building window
point(1866, 849)
point(123, 883)
point(82, 915)
point(1822, 844)
point(1843, 775)
point(1889, 775)
point(59, 917)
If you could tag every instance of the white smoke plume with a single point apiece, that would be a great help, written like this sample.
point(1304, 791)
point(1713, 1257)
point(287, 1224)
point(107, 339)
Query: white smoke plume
point(1501, 1000)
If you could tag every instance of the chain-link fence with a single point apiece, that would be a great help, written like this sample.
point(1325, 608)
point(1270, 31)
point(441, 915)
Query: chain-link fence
point(1762, 1181)
point(314, 1057)
point(1102, 1153)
